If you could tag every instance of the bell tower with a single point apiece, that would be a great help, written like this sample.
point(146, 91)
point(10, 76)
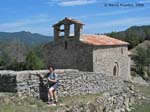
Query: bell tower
point(62, 29)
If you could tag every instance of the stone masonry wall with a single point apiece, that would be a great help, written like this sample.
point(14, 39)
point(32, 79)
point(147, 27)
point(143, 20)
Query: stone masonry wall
point(76, 56)
point(106, 58)
point(8, 81)
point(114, 101)
point(73, 82)
point(76, 83)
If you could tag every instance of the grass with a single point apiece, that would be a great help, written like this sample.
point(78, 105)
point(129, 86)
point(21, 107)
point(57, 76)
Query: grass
point(145, 105)
point(10, 103)
point(81, 98)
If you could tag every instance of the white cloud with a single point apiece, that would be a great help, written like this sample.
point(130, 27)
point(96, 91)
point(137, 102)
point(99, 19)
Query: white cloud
point(24, 22)
point(145, 1)
point(71, 2)
point(77, 2)
point(29, 24)
point(112, 13)
point(106, 13)
point(126, 22)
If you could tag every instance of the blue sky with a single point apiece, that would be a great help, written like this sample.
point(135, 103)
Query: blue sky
point(99, 16)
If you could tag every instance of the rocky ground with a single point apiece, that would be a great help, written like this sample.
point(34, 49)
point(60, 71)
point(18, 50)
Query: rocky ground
point(9, 102)
point(142, 103)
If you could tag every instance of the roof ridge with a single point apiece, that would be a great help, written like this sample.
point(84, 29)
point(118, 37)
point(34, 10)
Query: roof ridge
point(69, 19)
point(101, 40)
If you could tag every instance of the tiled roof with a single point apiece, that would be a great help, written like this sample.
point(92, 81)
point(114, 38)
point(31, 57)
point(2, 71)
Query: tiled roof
point(68, 19)
point(101, 40)
point(73, 20)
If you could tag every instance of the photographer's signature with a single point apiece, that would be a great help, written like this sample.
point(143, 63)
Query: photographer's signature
point(124, 5)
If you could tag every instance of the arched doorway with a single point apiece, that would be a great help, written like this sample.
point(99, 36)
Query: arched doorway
point(116, 69)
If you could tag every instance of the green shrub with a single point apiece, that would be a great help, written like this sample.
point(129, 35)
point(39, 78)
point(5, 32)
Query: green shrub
point(33, 61)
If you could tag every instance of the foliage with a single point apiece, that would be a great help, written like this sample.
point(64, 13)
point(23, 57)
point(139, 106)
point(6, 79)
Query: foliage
point(17, 66)
point(142, 60)
point(33, 61)
point(4, 59)
point(134, 35)
point(14, 48)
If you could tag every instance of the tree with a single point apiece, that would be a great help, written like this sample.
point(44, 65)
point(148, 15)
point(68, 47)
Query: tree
point(33, 61)
point(4, 60)
point(17, 66)
point(142, 60)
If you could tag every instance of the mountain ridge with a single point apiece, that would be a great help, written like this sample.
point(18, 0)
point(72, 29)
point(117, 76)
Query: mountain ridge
point(28, 38)
point(133, 35)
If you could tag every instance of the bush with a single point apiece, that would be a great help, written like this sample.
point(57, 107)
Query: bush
point(142, 60)
point(33, 61)
point(17, 66)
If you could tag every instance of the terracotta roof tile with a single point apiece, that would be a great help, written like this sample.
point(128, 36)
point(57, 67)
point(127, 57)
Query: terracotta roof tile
point(68, 19)
point(101, 40)
point(73, 20)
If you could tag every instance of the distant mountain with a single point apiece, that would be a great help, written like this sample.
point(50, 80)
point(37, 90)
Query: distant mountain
point(134, 35)
point(15, 46)
point(27, 38)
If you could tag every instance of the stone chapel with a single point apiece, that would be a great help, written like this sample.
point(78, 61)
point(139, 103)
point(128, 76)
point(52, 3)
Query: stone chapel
point(86, 52)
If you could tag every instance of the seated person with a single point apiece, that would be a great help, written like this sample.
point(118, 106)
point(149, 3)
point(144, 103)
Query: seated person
point(53, 84)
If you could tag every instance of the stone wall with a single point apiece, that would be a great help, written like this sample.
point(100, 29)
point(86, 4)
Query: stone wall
point(76, 83)
point(73, 82)
point(8, 81)
point(114, 101)
point(107, 57)
point(75, 56)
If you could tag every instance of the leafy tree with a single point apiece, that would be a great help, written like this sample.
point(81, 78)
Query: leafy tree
point(142, 60)
point(33, 61)
point(2, 64)
point(4, 60)
point(17, 66)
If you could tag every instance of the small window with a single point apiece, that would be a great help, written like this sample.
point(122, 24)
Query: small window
point(62, 33)
point(72, 31)
point(66, 44)
point(116, 69)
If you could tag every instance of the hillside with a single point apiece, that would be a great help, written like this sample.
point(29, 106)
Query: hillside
point(134, 35)
point(140, 60)
point(15, 46)
point(143, 45)
point(29, 39)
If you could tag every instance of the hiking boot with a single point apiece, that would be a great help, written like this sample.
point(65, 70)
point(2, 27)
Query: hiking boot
point(56, 102)
point(50, 101)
